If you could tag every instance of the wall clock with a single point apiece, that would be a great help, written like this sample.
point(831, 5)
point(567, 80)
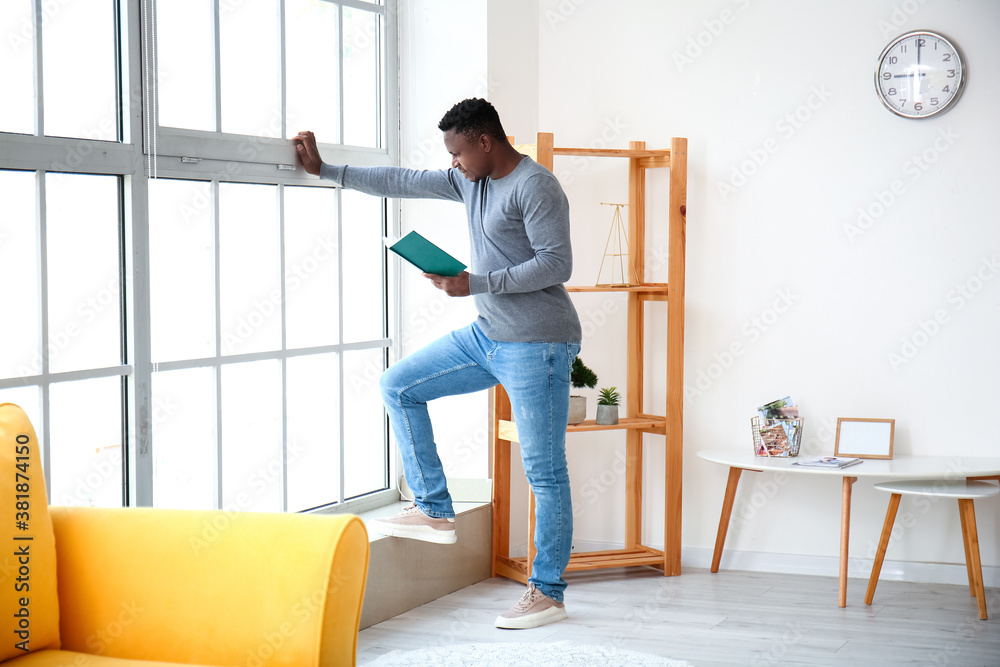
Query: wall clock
point(919, 75)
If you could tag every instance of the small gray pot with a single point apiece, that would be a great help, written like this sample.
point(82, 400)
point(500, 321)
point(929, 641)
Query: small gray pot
point(607, 415)
point(577, 409)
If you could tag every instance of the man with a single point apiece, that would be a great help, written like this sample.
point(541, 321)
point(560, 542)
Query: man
point(525, 338)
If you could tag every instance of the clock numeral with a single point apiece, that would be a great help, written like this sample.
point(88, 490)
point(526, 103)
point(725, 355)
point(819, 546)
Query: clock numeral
point(946, 89)
point(951, 74)
point(920, 42)
point(946, 57)
point(902, 48)
point(902, 102)
point(887, 76)
point(934, 101)
point(892, 60)
point(918, 107)
point(891, 91)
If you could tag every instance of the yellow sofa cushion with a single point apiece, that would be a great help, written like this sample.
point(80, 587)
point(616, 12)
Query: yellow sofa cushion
point(74, 659)
point(210, 588)
point(30, 619)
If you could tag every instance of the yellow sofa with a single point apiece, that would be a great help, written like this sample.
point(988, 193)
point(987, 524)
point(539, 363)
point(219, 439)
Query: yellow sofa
point(147, 587)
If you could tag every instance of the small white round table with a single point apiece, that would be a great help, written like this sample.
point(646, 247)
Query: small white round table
point(966, 492)
point(900, 467)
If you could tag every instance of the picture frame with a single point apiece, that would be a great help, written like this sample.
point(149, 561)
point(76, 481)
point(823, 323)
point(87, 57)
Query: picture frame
point(864, 438)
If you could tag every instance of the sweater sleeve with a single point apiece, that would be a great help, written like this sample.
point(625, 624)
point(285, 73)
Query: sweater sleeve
point(395, 182)
point(545, 211)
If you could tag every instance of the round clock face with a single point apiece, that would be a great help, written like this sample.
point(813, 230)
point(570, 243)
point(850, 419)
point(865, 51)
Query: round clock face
point(919, 74)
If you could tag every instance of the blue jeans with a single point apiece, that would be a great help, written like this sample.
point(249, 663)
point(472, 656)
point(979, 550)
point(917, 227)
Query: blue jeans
point(536, 377)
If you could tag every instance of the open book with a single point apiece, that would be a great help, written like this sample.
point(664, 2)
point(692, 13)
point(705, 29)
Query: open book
point(424, 255)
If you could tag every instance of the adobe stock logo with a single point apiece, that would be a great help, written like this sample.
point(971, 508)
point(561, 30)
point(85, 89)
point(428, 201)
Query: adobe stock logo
point(913, 168)
point(786, 127)
point(752, 329)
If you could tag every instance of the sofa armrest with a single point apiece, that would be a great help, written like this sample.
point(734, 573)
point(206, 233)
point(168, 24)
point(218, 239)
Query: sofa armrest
point(210, 587)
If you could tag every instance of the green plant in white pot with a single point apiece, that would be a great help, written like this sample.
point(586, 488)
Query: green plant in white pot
point(607, 406)
point(580, 377)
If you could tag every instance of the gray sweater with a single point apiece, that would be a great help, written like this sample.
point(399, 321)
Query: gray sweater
point(519, 233)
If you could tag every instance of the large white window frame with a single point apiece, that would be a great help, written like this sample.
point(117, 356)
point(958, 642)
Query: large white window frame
point(145, 151)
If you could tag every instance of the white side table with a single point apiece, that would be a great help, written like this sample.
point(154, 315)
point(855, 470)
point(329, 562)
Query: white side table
point(901, 467)
point(965, 492)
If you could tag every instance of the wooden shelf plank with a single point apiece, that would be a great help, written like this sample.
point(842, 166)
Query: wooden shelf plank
point(655, 162)
point(614, 152)
point(640, 551)
point(610, 561)
point(624, 423)
point(644, 289)
point(595, 560)
point(507, 430)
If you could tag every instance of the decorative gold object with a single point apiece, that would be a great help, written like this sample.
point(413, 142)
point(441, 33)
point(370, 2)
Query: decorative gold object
point(617, 249)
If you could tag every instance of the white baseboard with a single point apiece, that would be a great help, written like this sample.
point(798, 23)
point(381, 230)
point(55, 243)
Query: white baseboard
point(829, 566)
point(822, 566)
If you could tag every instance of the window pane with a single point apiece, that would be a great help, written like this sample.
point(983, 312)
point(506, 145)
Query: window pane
point(185, 463)
point(182, 273)
point(82, 223)
point(311, 267)
point(251, 436)
point(19, 272)
point(313, 431)
point(78, 44)
point(250, 86)
point(185, 54)
point(17, 67)
point(311, 66)
point(362, 232)
point(86, 423)
point(364, 423)
point(361, 77)
point(249, 268)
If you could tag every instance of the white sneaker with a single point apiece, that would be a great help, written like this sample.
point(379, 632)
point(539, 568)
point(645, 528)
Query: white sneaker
point(414, 524)
point(534, 609)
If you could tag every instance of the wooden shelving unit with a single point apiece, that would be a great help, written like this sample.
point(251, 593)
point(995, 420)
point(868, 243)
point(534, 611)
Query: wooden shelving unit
point(634, 423)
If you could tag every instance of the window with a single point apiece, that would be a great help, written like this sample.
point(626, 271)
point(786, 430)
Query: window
point(190, 330)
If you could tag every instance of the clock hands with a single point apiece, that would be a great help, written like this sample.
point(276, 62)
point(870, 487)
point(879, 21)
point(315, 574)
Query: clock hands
point(914, 74)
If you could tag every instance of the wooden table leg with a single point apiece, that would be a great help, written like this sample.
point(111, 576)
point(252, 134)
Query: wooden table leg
point(883, 543)
point(727, 511)
point(967, 511)
point(845, 535)
point(968, 553)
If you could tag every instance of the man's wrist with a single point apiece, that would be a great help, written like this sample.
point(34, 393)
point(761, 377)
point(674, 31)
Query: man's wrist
point(332, 172)
point(478, 284)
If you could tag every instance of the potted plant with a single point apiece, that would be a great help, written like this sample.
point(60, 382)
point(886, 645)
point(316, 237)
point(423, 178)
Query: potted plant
point(607, 406)
point(580, 376)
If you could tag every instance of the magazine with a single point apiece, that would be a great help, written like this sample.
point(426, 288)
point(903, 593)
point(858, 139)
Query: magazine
point(783, 408)
point(828, 462)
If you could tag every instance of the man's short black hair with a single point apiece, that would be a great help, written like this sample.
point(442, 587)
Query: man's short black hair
point(473, 118)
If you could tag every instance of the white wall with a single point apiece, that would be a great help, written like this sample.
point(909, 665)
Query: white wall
point(442, 61)
point(787, 144)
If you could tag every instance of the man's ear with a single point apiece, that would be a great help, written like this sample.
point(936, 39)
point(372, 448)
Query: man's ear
point(486, 142)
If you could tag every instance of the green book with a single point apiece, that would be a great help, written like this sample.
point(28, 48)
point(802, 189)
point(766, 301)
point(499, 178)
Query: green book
point(424, 255)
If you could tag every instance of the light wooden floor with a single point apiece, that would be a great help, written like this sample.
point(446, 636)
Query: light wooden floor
point(724, 619)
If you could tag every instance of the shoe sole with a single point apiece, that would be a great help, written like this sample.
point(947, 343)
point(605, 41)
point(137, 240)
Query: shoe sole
point(416, 533)
point(550, 615)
